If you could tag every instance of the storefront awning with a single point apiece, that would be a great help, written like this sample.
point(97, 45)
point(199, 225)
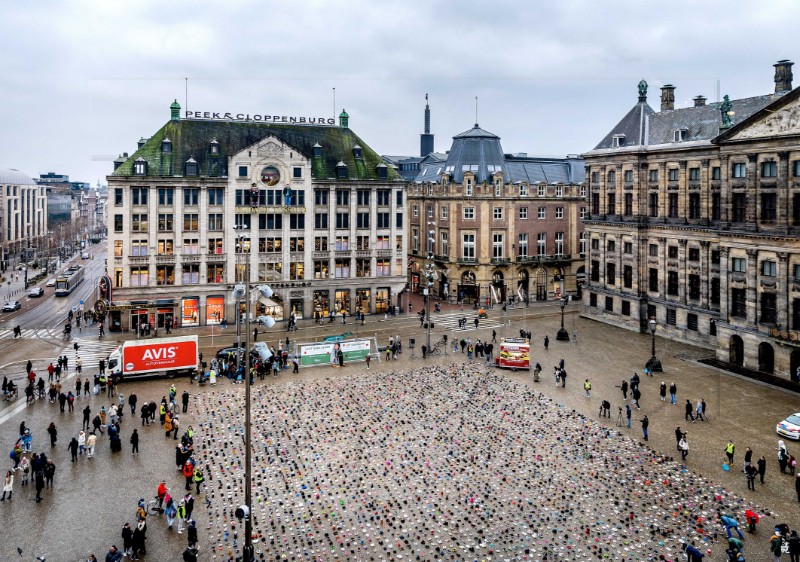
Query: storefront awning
point(165, 302)
point(269, 302)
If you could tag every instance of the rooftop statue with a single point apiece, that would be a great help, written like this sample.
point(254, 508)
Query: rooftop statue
point(725, 108)
point(642, 89)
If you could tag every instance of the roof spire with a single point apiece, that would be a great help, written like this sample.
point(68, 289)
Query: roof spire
point(476, 112)
point(642, 90)
point(426, 138)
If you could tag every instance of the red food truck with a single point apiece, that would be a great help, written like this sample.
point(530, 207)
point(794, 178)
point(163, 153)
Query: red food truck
point(514, 353)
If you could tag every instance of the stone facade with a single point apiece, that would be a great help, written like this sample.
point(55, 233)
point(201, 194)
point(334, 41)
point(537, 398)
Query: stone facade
point(699, 228)
point(179, 242)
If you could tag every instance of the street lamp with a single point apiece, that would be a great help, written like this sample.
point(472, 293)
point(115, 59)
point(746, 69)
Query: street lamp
point(245, 512)
point(654, 364)
point(562, 334)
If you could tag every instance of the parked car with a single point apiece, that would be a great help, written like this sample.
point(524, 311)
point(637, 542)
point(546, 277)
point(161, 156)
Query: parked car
point(790, 427)
point(11, 306)
point(36, 292)
point(223, 353)
point(50, 283)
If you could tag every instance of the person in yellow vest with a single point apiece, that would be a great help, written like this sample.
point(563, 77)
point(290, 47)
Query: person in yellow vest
point(587, 387)
point(198, 478)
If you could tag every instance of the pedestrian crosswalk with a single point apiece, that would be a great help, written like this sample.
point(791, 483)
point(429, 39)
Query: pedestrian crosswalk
point(26, 333)
point(450, 321)
point(91, 351)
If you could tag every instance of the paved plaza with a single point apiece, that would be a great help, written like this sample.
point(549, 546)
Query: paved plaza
point(477, 463)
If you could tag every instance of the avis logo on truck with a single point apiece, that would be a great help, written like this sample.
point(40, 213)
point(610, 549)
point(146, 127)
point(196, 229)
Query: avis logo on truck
point(167, 355)
point(153, 356)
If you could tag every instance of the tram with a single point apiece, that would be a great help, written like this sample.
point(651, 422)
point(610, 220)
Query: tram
point(68, 280)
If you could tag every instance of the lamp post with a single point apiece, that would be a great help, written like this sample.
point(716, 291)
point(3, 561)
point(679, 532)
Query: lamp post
point(245, 512)
point(562, 334)
point(654, 364)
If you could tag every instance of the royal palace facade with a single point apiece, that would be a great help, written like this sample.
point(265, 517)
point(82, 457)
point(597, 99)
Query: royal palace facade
point(694, 221)
point(209, 201)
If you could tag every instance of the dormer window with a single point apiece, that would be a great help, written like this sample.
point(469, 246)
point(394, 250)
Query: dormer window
point(140, 167)
point(383, 171)
point(191, 167)
point(617, 141)
point(357, 152)
point(214, 146)
point(523, 190)
point(317, 150)
point(341, 170)
point(468, 187)
point(166, 145)
point(680, 135)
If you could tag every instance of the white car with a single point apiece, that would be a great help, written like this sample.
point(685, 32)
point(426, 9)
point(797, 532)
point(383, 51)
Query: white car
point(790, 427)
point(51, 283)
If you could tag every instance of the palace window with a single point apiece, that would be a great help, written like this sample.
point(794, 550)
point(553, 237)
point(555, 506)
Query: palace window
point(139, 195)
point(769, 169)
point(165, 195)
point(739, 170)
point(523, 213)
point(216, 196)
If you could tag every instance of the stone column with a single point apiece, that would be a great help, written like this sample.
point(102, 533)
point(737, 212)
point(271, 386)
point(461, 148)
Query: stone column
point(662, 262)
point(705, 191)
point(705, 273)
point(662, 190)
point(683, 190)
point(682, 271)
point(782, 296)
point(724, 296)
point(783, 196)
point(752, 204)
point(725, 191)
point(752, 293)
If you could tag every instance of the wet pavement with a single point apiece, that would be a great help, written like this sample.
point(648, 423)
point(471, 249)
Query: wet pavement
point(501, 413)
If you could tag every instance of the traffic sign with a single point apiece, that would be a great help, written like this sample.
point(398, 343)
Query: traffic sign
point(81, 302)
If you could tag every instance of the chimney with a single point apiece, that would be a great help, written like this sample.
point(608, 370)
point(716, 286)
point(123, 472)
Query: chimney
point(667, 97)
point(783, 76)
point(699, 101)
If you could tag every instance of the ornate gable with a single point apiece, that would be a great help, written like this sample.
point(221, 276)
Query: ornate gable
point(780, 118)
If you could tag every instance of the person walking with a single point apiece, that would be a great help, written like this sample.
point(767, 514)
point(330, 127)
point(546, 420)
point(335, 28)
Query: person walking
point(546, 342)
point(628, 413)
point(783, 456)
point(762, 470)
point(39, 479)
point(135, 442)
point(624, 387)
point(113, 555)
point(796, 485)
point(729, 451)
point(776, 545)
point(678, 435)
point(587, 387)
point(91, 441)
point(688, 411)
point(700, 410)
point(185, 400)
point(198, 479)
point(673, 392)
point(53, 432)
point(127, 540)
point(636, 394)
point(662, 391)
point(645, 424)
point(794, 546)
point(748, 457)
point(683, 445)
point(73, 449)
point(132, 402)
point(751, 471)
point(8, 485)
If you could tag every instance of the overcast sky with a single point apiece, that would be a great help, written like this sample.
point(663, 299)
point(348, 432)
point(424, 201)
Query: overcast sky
point(83, 80)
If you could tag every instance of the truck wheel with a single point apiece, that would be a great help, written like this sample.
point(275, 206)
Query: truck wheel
point(513, 369)
point(170, 374)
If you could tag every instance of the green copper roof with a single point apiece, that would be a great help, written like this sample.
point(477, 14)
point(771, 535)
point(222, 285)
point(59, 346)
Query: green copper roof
point(191, 138)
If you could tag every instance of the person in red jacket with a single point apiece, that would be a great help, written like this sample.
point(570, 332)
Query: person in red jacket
point(161, 493)
point(188, 473)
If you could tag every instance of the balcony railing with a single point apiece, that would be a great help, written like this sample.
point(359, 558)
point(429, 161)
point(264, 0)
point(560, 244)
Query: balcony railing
point(169, 258)
point(467, 260)
point(139, 259)
point(215, 257)
point(501, 261)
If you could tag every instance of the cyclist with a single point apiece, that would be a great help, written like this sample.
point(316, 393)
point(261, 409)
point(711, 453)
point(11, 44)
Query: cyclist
point(68, 329)
point(161, 493)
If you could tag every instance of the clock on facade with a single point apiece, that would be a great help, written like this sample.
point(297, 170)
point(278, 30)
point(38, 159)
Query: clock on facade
point(270, 176)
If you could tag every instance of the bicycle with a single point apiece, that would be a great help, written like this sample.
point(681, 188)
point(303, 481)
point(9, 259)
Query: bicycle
point(67, 335)
point(153, 507)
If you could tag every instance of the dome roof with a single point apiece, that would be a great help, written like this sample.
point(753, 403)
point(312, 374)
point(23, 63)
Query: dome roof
point(476, 151)
point(9, 176)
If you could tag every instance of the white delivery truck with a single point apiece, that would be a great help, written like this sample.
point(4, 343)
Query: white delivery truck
point(165, 357)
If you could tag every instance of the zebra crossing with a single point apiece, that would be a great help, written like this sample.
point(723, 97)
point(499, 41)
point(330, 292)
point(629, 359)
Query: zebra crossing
point(450, 321)
point(28, 333)
point(91, 350)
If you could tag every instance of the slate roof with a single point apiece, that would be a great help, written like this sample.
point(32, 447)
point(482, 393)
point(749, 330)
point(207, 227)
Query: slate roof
point(191, 138)
point(701, 123)
point(644, 127)
point(633, 126)
point(480, 152)
point(481, 149)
